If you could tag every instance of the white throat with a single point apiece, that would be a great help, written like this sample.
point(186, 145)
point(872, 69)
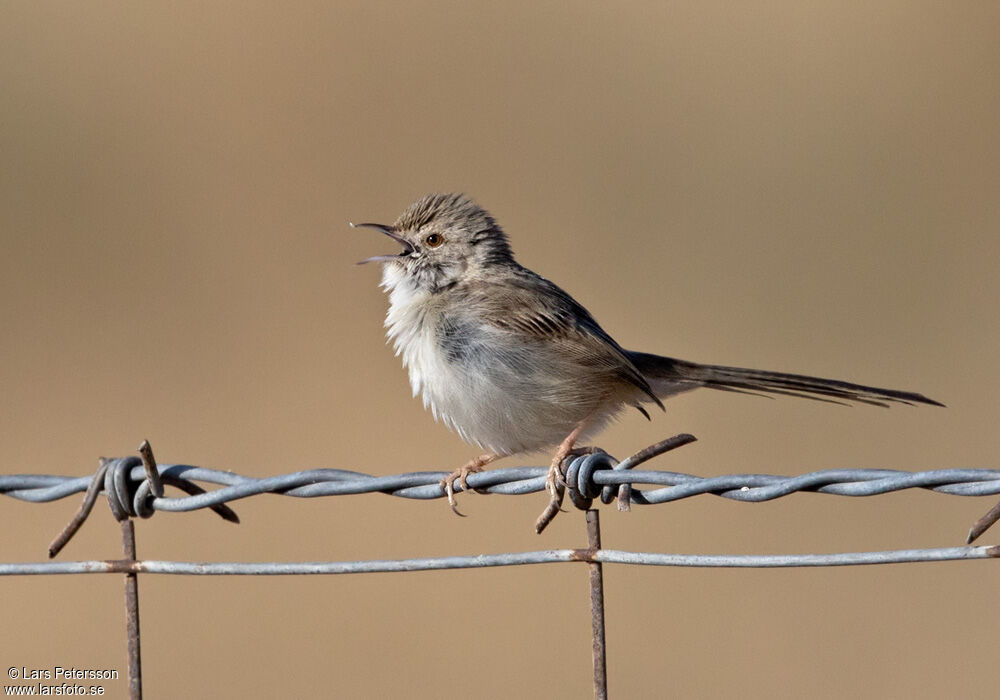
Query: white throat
point(406, 324)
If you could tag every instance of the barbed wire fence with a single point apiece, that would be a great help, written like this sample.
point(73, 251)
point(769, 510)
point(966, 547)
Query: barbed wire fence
point(134, 487)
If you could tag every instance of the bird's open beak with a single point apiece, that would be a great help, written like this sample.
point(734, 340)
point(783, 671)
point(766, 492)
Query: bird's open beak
point(391, 233)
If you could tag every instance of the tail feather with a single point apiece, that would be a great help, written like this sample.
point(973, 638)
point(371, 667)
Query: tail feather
point(668, 376)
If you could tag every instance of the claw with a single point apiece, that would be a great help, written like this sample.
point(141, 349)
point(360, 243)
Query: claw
point(554, 480)
point(461, 475)
point(448, 484)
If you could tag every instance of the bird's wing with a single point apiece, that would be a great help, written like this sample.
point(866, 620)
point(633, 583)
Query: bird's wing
point(532, 305)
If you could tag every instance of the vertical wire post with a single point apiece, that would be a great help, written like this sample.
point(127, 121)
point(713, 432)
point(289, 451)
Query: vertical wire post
point(597, 607)
point(132, 613)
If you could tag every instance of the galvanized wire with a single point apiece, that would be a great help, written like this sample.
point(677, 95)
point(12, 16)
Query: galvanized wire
point(606, 556)
point(131, 491)
point(131, 485)
point(134, 487)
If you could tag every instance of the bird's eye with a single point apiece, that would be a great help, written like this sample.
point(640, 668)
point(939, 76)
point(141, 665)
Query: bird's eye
point(434, 240)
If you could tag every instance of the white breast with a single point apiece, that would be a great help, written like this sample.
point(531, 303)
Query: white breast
point(482, 408)
point(471, 405)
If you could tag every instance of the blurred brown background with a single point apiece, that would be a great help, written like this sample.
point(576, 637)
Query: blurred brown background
point(796, 186)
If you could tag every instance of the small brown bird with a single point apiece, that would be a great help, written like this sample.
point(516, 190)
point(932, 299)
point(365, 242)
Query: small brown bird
point(514, 364)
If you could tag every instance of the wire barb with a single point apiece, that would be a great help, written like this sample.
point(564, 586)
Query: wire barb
point(580, 466)
point(128, 494)
point(983, 524)
point(149, 464)
point(625, 492)
point(89, 498)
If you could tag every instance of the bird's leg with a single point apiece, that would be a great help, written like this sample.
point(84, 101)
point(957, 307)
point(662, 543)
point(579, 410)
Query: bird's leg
point(461, 474)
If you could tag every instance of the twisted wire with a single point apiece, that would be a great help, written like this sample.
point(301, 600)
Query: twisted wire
point(129, 491)
point(134, 485)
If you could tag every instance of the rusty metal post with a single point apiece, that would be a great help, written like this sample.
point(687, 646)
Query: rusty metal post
point(597, 607)
point(132, 613)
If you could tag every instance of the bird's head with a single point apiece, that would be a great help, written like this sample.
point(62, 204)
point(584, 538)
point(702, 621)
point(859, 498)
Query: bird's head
point(446, 238)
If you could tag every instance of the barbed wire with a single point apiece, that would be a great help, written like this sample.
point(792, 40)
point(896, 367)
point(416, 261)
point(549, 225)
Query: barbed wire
point(134, 487)
point(313, 483)
point(131, 484)
point(135, 496)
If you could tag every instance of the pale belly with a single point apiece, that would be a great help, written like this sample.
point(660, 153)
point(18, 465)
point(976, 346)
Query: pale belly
point(497, 411)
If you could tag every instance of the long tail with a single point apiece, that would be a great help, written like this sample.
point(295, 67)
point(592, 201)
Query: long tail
point(668, 376)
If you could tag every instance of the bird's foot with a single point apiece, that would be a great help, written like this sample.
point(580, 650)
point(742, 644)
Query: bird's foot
point(556, 478)
point(555, 483)
point(460, 475)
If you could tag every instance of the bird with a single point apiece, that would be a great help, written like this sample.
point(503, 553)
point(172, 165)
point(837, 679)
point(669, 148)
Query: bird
point(513, 364)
